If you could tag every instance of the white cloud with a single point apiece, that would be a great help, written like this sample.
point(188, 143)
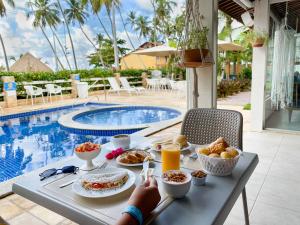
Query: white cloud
point(22, 21)
point(145, 4)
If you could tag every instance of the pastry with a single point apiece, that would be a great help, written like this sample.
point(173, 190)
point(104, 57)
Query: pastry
point(181, 140)
point(218, 146)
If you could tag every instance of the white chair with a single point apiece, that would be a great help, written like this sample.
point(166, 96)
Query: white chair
point(164, 83)
point(152, 84)
point(156, 74)
point(33, 92)
point(53, 89)
point(125, 84)
point(115, 87)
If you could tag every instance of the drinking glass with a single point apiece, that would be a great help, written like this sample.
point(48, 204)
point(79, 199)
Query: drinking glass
point(170, 156)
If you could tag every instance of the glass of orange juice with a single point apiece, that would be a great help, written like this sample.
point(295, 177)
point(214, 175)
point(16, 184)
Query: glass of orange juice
point(170, 157)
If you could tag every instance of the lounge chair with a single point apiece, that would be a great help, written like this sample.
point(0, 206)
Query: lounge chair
point(115, 87)
point(156, 74)
point(126, 85)
point(33, 92)
point(152, 84)
point(53, 89)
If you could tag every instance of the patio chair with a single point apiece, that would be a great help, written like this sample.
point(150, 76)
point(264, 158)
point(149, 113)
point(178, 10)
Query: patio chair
point(203, 126)
point(152, 84)
point(53, 89)
point(164, 83)
point(33, 92)
point(125, 84)
point(115, 87)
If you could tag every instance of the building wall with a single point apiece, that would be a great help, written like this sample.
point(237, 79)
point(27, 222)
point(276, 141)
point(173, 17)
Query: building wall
point(134, 61)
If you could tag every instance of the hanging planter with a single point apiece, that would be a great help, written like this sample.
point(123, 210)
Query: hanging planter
point(195, 50)
point(257, 39)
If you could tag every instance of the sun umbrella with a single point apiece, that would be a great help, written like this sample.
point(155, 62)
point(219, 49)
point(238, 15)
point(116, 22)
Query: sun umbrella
point(161, 51)
point(229, 46)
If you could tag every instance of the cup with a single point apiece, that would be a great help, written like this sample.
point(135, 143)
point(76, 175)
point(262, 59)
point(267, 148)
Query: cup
point(170, 157)
point(121, 141)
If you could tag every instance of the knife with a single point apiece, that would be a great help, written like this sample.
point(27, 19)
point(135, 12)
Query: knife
point(145, 169)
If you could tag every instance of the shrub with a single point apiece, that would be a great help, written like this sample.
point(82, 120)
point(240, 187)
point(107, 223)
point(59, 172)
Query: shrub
point(246, 73)
point(230, 87)
point(247, 107)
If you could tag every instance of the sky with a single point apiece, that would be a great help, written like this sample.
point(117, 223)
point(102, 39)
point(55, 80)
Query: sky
point(20, 37)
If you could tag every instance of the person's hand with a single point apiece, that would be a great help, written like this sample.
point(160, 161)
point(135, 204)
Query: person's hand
point(146, 197)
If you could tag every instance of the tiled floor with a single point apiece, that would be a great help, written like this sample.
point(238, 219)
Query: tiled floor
point(273, 196)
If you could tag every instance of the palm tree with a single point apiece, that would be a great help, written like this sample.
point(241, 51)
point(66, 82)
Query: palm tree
point(76, 13)
point(45, 13)
point(142, 26)
point(2, 14)
point(69, 33)
point(131, 20)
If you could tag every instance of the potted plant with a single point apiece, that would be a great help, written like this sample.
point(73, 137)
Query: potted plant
point(195, 47)
point(257, 38)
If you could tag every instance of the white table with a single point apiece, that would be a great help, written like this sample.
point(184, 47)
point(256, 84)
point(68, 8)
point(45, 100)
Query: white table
point(205, 205)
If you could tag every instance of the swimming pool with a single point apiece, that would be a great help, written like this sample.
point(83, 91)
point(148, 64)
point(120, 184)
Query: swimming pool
point(31, 140)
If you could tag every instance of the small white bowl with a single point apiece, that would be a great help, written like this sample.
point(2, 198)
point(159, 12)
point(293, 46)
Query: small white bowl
point(88, 156)
point(177, 190)
point(121, 141)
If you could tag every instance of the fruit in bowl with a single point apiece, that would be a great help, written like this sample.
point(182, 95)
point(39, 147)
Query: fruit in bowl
point(87, 151)
point(176, 183)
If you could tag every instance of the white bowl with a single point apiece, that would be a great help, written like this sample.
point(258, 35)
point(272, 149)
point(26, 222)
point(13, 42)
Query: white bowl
point(121, 141)
point(88, 156)
point(177, 190)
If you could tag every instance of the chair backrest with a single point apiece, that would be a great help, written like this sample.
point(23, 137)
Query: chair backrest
point(203, 126)
point(29, 89)
point(113, 83)
point(156, 74)
point(50, 87)
point(125, 83)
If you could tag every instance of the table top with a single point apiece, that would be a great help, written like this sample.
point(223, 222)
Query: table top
point(209, 204)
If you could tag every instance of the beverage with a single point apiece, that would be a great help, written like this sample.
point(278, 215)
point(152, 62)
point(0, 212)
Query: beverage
point(170, 156)
point(121, 141)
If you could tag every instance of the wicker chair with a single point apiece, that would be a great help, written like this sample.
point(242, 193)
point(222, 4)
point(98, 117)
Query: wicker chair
point(203, 126)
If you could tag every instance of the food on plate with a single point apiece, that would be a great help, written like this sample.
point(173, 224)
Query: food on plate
point(133, 157)
point(106, 181)
point(204, 151)
point(232, 151)
point(181, 140)
point(114, 153)
point(225, 155)
point(214, 155)
point(218, 146)
point(176, 176)
point(158, 144)
point(199, 174)
point(87, 147)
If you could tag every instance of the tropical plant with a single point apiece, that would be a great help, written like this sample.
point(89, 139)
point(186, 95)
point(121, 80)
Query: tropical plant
point(143, 26)
point(107, 49)
point(197, 39)
point(76, 13)
point(226, 31)
point(45, 14)
point(2, 14)
point(69, 33)
point(257, 38)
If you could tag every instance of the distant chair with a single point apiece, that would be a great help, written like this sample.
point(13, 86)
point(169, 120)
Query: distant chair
point(53, 89)
point(164, 83)
point(33, 92)
point(126, 85)
point(156, 74)
point(152, 84)
point(115, 87)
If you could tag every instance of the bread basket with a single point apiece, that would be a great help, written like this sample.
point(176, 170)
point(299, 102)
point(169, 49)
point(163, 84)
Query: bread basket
point(218, 166)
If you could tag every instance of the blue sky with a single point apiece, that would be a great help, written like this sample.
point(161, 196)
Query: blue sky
point(20, 37)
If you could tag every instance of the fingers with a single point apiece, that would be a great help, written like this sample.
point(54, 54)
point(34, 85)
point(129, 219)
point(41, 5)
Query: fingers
point(147, 183)
point(153, 182)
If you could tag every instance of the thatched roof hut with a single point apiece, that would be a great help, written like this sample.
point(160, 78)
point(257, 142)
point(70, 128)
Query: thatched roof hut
point(29, 63)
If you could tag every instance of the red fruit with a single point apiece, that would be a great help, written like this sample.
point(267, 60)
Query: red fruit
point(109, 156)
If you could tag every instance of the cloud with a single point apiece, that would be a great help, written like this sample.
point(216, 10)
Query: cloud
point(145, 4)
point(22, 21)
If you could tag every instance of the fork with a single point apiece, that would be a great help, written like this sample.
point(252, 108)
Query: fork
point(103, 166)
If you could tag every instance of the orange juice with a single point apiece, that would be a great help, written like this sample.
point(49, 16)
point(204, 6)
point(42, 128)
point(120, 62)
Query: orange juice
point(170, 157)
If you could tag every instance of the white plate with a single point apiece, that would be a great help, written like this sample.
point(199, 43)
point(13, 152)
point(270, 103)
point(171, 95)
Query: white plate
point(189, 147)
point(130, 165)
point(79, 190)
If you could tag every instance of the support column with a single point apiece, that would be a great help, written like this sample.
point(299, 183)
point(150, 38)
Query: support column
point(75, 78)
point(259, 65)
point(9, 91)
point(206, 77)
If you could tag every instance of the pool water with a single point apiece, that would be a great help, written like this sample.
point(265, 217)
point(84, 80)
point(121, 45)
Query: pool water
point(127, 115)
point(33, 141)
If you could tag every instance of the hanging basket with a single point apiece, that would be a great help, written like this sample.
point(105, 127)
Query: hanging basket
point(258, 43)
point(194, 58)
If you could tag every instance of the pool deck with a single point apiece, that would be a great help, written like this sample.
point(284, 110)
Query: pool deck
point(272, 198)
